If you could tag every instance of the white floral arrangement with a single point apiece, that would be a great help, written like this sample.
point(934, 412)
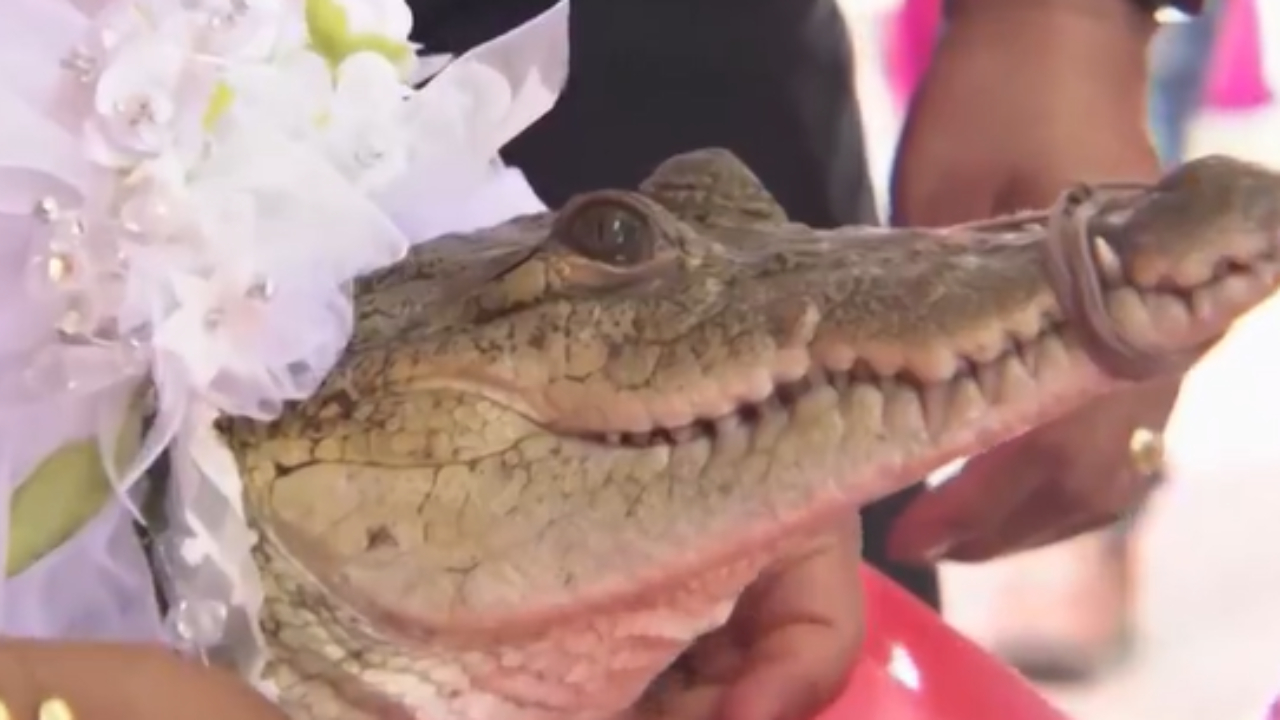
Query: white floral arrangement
point(207, 177)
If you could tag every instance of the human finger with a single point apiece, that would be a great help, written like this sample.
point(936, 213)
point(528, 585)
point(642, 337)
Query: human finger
point(804, 625)
point(970, 505)
point(101, 681)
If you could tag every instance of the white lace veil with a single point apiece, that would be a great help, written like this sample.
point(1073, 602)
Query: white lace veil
point(190, 229)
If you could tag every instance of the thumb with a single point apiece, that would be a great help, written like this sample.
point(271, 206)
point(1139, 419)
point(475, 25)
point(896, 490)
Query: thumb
point(791, 675)
point(971, 504)
point(803, 627)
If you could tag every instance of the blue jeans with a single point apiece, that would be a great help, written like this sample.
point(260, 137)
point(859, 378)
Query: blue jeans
point(1179, 58)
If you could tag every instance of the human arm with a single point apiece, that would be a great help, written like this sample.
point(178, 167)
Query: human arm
point(1024, 99)
point(100, 681)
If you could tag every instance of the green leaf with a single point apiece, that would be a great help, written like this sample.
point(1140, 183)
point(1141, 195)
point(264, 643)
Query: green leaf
point(331, 37)
point(67, 490)
point(327, 28)
point(219, 103)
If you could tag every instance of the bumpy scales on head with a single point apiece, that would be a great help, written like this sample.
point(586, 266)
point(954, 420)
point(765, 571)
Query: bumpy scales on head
point(557, 450)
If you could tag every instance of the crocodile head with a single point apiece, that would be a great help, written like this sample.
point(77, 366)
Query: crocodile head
point(557, 450)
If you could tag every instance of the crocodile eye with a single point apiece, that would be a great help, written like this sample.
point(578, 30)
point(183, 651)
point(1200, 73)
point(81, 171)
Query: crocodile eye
point(608, 231)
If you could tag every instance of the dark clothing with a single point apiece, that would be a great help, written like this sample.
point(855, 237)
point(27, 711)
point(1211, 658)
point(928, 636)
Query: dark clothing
point(771, 80)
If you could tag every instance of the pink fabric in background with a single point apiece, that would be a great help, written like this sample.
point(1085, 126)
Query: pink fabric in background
point(1236, 81)
point(912, 33)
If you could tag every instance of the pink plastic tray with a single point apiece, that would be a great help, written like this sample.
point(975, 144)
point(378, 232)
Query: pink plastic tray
point(915, 667)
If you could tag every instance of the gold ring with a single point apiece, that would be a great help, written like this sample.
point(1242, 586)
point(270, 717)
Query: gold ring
point(51, 709)
point(1146, 452)
point(55, 709)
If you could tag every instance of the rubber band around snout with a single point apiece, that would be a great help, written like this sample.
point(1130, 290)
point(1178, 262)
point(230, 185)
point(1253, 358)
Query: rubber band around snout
point(1076, 280)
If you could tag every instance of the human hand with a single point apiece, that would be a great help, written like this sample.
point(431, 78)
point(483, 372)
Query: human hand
point(1023, 101)
point(786, 651)
point(1085, 470)
point(100, 681)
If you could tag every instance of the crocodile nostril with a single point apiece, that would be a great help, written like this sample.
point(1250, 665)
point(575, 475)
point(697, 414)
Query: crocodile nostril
point(1231, 266)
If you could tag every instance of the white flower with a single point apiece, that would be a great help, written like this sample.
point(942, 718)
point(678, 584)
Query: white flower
point(149, 101)
point(154, 204)
point(363, 127)
point(120, 22)
point(214, 321)
point(117, 25)
point(355, 117)
point(244, 29)
point(293, 94)
point(392, 19)
point(338, 29)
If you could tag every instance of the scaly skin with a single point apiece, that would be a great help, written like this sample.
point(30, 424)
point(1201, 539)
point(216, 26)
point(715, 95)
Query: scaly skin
point(537, 475)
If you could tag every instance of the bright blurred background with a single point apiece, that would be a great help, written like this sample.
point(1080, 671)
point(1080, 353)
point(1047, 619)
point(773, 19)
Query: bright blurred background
point(1209, 619)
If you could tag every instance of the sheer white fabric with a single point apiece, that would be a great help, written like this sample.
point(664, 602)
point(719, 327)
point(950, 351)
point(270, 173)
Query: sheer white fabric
point(95, 587)
point(98, 584)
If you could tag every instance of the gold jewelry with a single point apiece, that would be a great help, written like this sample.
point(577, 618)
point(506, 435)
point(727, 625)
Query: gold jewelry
point(55, 709)
point(1146, 452)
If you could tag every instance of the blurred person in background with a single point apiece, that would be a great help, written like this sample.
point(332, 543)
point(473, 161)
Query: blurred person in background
point(1181, 55)
point(1063, 612)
